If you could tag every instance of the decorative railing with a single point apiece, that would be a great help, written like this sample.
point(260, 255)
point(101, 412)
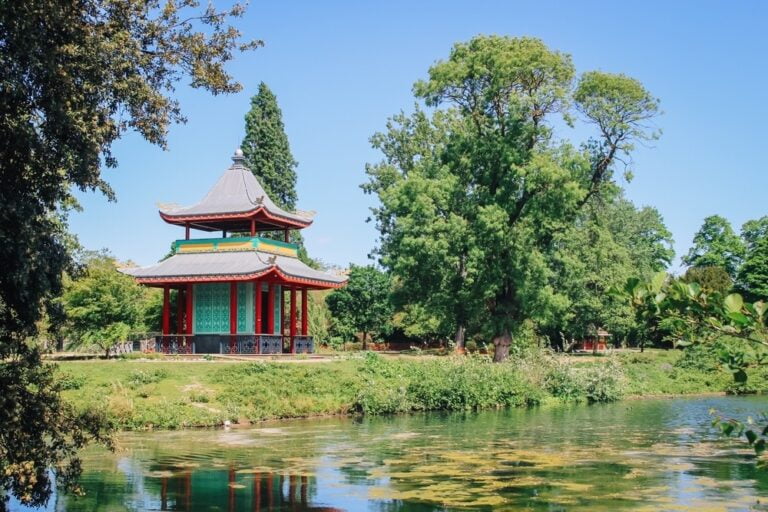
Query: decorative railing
point(303, 345)
point(271, 344)
point(175, 344)
point(229, 344)
point(121, 348)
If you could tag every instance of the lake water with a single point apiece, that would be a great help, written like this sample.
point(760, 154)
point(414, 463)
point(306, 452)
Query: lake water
point(633, 455)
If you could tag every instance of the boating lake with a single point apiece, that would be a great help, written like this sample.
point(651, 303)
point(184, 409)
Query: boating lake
point(654, 454)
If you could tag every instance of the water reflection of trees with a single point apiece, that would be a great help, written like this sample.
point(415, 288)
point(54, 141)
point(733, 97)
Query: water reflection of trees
point(615, 456)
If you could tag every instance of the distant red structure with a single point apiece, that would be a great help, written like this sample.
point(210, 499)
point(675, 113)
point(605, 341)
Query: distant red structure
point(596, 343)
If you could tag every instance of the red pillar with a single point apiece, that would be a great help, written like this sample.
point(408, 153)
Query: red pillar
point(186, 231)
point(286, 237)
point(179, 311)
point(271, 309)
point(253, 227)
point(304, 312)
point(292, 328)
point(232, 314)
point(232, 308)
point(257, 304)
point(190, 314)
point(166, 310)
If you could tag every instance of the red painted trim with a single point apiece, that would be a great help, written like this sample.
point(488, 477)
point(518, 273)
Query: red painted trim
point(257, 307)
point(304, 312)
point(272, 273)
point(166, 310)
point(232, 308)
point(270, 308)
point(180, 311)
point(257, 213)
point(188, 298)
point(292, 328)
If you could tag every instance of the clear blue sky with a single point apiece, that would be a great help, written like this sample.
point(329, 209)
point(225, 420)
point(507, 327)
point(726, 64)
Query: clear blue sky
point(340, 69)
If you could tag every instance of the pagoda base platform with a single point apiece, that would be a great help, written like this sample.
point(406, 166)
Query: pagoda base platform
point(240, 344)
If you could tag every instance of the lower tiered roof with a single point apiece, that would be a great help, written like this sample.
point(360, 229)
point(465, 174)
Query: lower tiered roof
point(234, 259)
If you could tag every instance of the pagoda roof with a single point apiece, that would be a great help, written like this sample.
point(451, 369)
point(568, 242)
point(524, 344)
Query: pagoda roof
point(235, 199)
point(233, 266)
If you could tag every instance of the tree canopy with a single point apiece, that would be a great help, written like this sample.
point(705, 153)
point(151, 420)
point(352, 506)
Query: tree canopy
point(710, 278)
point(753, 274)
point(472, 197)
point(715, 244)
point(609, 243)
point(74, 77)
point(363, 305)
point(103, 306)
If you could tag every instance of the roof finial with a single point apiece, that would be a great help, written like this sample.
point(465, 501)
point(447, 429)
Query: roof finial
point(238, 159)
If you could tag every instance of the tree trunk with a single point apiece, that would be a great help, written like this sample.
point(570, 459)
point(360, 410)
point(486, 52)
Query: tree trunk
point(458, 339)
point(365, 337)
point(501, 345)
point(106, 355)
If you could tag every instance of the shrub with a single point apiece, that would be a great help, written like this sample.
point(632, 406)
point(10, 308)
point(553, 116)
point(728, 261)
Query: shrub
point(456, 383)
point(140, 377)
point(603, 383)
point(67, 381)
point(562, 381)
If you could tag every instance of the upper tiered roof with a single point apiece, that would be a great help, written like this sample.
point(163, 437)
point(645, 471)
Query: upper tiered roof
point(234, 202)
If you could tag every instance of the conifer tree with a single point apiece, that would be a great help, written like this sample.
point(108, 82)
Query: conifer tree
point(266, 149)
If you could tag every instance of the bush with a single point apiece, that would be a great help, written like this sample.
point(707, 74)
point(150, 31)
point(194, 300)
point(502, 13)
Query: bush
point(140, 377)
point(455, 383)
point(603, 383)
point(67, 381)
point(562, 381)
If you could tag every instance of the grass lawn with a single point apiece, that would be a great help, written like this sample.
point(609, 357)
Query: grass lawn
point(168, 393)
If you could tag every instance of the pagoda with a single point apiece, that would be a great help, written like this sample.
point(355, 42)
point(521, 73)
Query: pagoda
point(230, 292)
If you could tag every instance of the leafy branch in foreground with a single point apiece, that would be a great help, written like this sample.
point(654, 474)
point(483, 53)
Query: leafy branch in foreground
point(754, 431)
point(74, 78)
point(691, 315)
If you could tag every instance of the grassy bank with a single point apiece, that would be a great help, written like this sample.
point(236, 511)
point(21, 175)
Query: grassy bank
point(166, 394)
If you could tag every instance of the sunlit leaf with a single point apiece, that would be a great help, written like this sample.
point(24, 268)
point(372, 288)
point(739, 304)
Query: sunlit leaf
point(733, 303)
point(739, 318)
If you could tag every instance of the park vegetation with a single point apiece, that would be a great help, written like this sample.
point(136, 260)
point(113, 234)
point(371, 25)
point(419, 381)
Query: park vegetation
point(75, 77)
point(496, 234)
point(140, 395)
point(480, 202)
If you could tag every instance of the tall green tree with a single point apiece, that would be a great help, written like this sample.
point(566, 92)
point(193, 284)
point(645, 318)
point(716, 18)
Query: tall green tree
point(363, 305)
point(715, 244)
point(753, 274)
point(501, 183)
point(610, 242)
point(421, 210)
point(103, 305)
point(74, 77)
point(266, 149)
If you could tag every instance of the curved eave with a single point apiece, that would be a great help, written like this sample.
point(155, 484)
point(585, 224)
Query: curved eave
point(256, 213)
point(282, 278)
